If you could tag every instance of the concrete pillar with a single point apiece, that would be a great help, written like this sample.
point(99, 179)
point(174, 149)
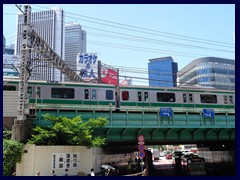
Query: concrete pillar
point(21, 130)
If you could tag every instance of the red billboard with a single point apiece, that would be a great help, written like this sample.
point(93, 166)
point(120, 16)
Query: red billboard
point(109, 75)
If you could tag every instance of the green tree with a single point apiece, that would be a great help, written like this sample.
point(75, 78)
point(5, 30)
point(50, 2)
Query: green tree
point(12, 153)
point(66, 131)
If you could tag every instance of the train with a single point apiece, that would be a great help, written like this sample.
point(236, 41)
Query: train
point(121, 97)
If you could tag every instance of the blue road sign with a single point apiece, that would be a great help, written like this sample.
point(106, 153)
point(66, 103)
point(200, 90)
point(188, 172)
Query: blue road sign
point(141, 147)
point(141, 154)
point(166, 112)
point(208, 113)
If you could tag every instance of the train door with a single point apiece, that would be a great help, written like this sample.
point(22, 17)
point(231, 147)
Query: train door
point(187, 99)
point(90, 96)
point(143, 98)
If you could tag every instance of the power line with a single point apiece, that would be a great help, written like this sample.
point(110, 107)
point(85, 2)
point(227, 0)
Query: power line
point(135, 27)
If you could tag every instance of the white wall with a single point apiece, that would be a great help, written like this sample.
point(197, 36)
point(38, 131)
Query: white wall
point(39, 158)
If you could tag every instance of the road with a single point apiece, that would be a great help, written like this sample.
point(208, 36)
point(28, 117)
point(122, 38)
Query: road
point(164, 167)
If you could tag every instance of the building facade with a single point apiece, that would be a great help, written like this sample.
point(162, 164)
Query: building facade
point(75, 42)
point(162, 72)
point(50, 26)
point(4, 43)
point(209, 72)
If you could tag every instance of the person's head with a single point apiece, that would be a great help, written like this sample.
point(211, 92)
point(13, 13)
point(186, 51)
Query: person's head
point(38, 173)
point(92, 169)
point(66, 170)
point(52, 171)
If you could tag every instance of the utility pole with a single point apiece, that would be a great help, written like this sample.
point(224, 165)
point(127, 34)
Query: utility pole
point(31, 41)
point(21, 124)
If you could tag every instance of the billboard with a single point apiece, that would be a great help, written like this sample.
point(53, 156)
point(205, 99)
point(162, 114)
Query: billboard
point(87, 66)
point(109, 75)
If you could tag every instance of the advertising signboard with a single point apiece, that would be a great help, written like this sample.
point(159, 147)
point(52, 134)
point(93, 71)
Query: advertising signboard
point(109, 75)
point(87, 66)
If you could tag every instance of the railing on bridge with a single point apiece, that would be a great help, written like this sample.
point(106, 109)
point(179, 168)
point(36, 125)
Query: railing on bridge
point(126, 125)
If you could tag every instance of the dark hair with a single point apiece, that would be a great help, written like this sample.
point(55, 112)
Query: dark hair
point(92, 169)
point(66, 169)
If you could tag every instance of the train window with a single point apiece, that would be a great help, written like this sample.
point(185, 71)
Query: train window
point(94, 94)
point(86, 94)
point(65, 93)
point(109, 94)
point(190, 98)
point(165, 97)
point(139, 96)
point(145, 96)
point(231, 99)
point(184, 98)
point(125, 95)
point(30, 92)
point(225, 99)
point(38, 92)
point(208, 98)
point(9, 88)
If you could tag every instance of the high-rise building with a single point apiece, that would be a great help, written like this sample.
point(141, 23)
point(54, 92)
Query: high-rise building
point(50, 26)
point(208, 72)
point(4, 43)
point(75, 42)
point(162, 72)
point(9, 49)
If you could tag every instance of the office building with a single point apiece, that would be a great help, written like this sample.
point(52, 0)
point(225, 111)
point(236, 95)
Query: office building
point(50, 26)
point(162, 72)
point(75, 42)
point(209, 72)
point(4, 43)
point(9, 49)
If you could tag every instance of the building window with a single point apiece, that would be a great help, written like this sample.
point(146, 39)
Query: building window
point(125, 95)
point(64, 93)
point(109, 94)
point(139, 96)
point(165, 97)
point(9, 88)
point(208, 98)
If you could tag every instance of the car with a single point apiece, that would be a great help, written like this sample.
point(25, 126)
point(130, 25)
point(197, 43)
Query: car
point(161, 154)
point(169, 156)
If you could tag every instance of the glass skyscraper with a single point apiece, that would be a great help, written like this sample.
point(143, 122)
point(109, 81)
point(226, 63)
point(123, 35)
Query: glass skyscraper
point(50, 26)
point(209, 72)
point(162, 72)
point(75, 42)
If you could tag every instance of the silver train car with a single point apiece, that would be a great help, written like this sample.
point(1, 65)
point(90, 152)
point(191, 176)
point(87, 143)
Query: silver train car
point(72, 95)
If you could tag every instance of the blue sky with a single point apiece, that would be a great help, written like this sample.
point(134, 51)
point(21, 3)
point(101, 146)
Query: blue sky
point(157, 30)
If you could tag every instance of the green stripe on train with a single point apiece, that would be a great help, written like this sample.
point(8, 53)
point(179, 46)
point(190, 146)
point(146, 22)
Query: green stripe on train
point(176, 105)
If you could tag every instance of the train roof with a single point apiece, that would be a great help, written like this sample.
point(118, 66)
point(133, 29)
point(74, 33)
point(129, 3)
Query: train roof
point(182, 88)
point(6, 79)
